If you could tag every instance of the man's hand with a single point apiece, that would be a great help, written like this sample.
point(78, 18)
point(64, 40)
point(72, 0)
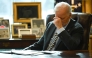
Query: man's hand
point(58, 22)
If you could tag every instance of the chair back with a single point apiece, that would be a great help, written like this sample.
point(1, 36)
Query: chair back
point(85, 20)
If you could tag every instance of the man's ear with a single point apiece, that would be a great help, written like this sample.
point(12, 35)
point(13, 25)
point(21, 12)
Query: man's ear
point(70, 14)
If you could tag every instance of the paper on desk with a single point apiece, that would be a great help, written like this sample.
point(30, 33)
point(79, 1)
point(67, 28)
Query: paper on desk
point(26, 52)
point(30, 52)
point(33, 52)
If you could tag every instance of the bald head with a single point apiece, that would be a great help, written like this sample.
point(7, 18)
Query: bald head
point(63, 6)
point(63, 11)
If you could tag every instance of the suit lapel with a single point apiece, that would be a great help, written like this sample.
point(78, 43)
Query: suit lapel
point(70, 25)
point(50, 34)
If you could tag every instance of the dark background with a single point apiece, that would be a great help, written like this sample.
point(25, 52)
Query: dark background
point(79, 9)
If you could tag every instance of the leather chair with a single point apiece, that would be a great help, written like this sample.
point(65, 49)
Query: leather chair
point(85, 20)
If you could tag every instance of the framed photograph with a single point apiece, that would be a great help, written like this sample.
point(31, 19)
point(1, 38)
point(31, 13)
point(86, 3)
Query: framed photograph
point(16, 27)
point(24, 11)
point(1, 18)
point(4, 33)
point(38, 32)
point(37, 23)
point(24, 31)
point(4, 23)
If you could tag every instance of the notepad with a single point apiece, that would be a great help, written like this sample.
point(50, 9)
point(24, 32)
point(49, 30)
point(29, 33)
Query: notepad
point(29, 52)
point(26, 52)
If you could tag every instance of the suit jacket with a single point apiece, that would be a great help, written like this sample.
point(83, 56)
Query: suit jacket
point(69, 39)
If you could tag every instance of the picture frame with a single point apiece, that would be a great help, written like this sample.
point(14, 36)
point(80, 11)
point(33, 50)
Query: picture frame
point(38, 32)
point(24, 11)
point(4, 23)
point(37, 23)
point(24, 31)
point(4, 33)
point(1, 18)
point(15, 28)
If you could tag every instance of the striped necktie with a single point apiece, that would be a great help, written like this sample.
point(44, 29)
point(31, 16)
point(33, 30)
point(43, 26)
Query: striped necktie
point(52, 42)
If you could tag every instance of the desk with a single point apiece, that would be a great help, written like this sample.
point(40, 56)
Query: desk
point(57, 54)
point(15, 44)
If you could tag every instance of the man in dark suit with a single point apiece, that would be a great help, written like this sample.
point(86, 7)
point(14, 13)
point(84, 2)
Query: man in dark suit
point(69, 31)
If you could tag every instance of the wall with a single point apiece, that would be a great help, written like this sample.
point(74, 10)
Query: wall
point(6, 8)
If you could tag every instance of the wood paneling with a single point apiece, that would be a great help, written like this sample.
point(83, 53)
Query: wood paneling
point(87, 6)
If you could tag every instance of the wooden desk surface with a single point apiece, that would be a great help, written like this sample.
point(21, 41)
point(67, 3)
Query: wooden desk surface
point(15, 44)
point(57, 54)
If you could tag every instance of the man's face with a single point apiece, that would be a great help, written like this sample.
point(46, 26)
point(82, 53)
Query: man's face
point(64, 15)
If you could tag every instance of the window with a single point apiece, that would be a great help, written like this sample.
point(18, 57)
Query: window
point(6, 8)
